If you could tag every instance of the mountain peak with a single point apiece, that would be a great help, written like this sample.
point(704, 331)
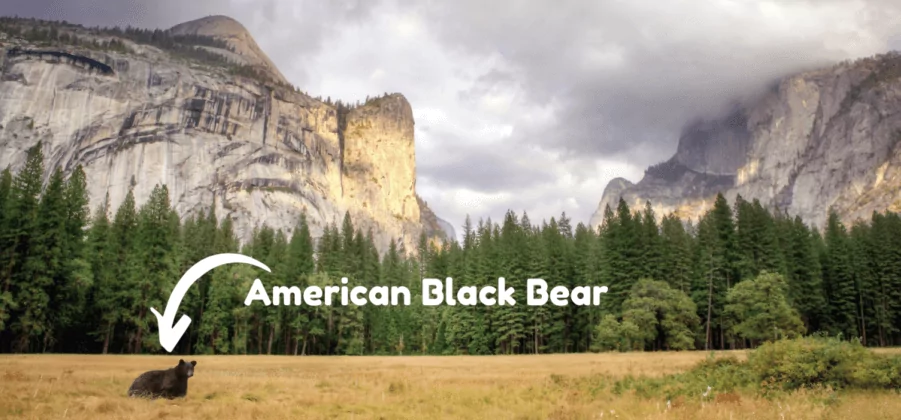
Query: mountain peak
point(236, 35)
point(211, 25)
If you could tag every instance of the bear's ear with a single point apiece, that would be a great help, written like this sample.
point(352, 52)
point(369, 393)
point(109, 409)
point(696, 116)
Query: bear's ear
point(181, 362)
point(193, 363)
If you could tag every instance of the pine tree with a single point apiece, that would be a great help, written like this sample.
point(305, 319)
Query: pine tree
point(107, 293)
point(622, 255)
point(7, 304)
point(539, 317)
point(43, 266)
point(585, 273)
point(651, 244)
point(838, 279)
point(886, 258)
point(155, 254)
point(716, 269)
point(864, 278)
point(299, 265)
point(77, 277)
point(509, 321)
point(677, 254)
point(21, 228)
point(805, 283)
point(127, 267)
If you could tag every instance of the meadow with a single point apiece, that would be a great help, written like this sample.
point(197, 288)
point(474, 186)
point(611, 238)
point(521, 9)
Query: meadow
point(566, 386)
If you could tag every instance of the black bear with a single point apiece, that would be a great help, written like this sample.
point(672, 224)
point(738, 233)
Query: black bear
point(170, 383)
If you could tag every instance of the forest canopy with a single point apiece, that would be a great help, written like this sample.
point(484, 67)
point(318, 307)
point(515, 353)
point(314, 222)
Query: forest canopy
point(80, 277)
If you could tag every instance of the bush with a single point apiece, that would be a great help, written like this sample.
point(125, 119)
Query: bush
point(816, 361)
point(784, 365)
point(725, 374)
point(878, 372)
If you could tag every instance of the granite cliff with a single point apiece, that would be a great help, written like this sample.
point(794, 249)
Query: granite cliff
point(206, 113)
point(820, 139)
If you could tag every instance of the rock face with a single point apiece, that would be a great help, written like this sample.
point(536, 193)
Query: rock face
point(262, 154)
point(436, 227)
point(378, 162)
point(820, 139)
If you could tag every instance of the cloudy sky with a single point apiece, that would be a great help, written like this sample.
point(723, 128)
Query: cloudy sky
point(531, 105)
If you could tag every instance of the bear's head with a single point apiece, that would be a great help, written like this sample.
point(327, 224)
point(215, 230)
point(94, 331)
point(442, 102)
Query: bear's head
point(185, 369)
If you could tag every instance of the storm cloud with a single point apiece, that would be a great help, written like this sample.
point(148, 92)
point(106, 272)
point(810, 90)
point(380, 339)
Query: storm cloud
point(533, 105)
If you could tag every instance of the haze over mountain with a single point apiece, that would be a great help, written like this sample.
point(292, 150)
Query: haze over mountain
point(582, 92)
point(819, 140)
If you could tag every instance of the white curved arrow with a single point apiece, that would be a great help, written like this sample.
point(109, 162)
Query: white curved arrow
point(169, 333)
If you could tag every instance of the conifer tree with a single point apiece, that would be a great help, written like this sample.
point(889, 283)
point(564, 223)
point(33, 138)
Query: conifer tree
point(7, 304)
point(43, 266)
point(21, 231)
point(127, 267)
point(652, 252)
point(585, 273)
point(107, 292)
point(622, 253)
point(805, 283)
point(864, 278)
point(154, 251)
point(838, 279)
point(677, 254)
point(78, 277)
point(509, 321)
point(885, 255)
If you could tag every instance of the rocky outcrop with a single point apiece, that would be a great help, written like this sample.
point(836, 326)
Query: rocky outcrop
point(434, 226)
point(261, 153)
point(819, 140)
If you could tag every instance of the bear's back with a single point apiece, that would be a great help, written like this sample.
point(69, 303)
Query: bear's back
point(159, 383)
point(148, 384)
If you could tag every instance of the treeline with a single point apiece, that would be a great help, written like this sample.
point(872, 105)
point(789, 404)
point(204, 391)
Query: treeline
point(164, 39)
point(49, 36)
point(350, 106)
point(188, 47)
point(75, 280)
point(53, 31)
point(110, 39)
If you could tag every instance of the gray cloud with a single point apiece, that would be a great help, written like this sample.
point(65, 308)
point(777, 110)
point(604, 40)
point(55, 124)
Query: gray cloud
point(629, 74)
point(487, 171)
point(532, 105)
point(150, 14)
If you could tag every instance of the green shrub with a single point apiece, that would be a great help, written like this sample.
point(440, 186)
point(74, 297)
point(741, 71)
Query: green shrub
point(725, 374)
point(782, 366)
point(878, 372)
point(811, 362)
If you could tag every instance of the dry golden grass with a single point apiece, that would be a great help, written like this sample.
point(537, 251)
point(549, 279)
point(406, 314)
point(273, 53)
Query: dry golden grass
point(468, 387)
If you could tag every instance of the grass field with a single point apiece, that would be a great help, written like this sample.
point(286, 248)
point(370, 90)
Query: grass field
point(493, 387)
